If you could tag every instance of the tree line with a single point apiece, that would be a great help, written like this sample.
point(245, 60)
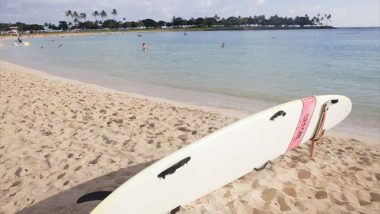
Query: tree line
point(80, 20)
point(21, 26)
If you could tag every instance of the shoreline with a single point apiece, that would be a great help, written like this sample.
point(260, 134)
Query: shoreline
point(122, 31)
point(62, 138)
point(178, 29)
point(172, 98)
point(227, 112)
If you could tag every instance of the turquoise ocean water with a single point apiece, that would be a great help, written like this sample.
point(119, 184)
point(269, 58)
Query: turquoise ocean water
point(255, 68)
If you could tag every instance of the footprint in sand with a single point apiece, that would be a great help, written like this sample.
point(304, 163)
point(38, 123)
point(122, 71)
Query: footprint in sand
point(321, 194)
point(283, 205)
point(290, 191)
point(95, 161)
point(77, 168)
point(304, 174)
point(158, 145)
point(338, 202)
point(255, 184)
point(231, 207)
point(355, 168)
point(365, 160)
point(375, 197)
point(182, 137)
point(18, 171)
point(364, 203)
point(61, 176)
point(268, 194)
point(257, 211)
point(377, 175)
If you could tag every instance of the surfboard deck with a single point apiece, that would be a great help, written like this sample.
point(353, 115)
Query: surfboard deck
point(224, 156)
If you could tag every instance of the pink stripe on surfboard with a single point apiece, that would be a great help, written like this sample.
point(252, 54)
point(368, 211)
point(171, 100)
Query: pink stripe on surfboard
point(303, 123)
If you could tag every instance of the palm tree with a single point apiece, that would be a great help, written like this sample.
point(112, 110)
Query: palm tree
point(103, 14)
point(217, 17)
point(114, 13)
point(68, 14)
point(83, 16)
point(95, 14)
point(76, 17)
point(328, 18)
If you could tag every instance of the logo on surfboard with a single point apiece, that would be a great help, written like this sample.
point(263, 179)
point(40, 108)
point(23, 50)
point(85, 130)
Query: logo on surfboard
point(305, 118)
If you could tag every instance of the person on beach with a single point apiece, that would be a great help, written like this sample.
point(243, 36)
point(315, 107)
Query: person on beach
point(145, 47)
point(19, 40)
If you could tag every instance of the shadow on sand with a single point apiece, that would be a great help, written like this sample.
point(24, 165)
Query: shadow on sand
point(66, 201)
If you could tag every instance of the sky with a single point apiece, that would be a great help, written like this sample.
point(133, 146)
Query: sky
point(345, 13)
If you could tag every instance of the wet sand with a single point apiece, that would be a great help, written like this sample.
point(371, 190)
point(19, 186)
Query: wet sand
point(60, 139)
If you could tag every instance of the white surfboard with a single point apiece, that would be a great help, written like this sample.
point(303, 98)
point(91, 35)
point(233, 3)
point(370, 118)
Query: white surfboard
point(224, 156)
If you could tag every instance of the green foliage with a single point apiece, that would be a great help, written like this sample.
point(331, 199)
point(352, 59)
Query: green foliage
point(88, 25)
point(21, 26)
point(110, 23)
point(51, 26)
point(161, 23)
point(210, 21)
point(178, 21)
point(232, 21)
point(150, 23)
point(63, 25)
point(199, 22)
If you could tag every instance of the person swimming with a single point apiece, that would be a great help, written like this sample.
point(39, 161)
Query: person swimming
point(145, 47)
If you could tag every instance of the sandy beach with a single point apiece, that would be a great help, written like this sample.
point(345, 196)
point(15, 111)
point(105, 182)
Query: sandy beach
point(60, 139)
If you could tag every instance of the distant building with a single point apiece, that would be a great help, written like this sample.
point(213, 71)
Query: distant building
point(14, 31)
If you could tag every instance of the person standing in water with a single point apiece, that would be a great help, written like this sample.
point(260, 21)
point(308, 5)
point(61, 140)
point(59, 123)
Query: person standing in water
point(19, 40)
point(222, 46)
point(144, 47)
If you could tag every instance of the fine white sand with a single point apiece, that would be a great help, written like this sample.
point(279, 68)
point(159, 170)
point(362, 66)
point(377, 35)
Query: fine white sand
point(60, 139)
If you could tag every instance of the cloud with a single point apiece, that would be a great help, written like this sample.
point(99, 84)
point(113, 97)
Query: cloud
point(13, 6)
point(40, 11)
point(260, 2)
point(339, 11)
